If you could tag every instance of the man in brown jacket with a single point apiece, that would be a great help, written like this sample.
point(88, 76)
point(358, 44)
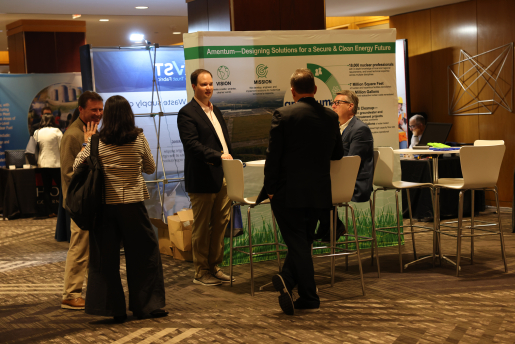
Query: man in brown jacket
point(91, 108)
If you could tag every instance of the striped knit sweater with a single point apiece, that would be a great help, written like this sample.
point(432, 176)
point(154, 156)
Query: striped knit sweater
point(122, 166)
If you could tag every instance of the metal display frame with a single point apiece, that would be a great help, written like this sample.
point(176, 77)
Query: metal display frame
point(160, 114)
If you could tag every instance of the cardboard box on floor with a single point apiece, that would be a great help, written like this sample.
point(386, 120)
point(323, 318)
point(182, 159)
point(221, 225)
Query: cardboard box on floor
point(163, 236)
point(179, 226)
point(182, 255)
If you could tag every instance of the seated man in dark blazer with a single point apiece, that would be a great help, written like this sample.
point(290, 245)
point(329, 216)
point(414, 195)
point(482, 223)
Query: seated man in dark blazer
point(357, 140)
point(304, 138)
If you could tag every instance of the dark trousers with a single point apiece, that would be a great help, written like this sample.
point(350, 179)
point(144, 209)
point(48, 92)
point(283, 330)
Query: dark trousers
point(325, 222)
point(130, 224)
point(49, 174)
point(297, 227)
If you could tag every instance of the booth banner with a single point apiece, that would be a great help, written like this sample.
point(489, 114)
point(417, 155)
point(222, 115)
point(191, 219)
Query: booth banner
point(251, 76)
point(23, 96)
point(129, 73)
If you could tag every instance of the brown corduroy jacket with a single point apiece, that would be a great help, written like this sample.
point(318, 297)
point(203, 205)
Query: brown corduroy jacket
point(71, 145)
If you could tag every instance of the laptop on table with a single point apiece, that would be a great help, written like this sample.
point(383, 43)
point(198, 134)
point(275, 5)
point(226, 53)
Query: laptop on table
point(434, 132)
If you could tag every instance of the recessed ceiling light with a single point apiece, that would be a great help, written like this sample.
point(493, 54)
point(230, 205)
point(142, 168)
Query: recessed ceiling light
point(136, 37)
point(103, 20)
point(176, 33)
point(141, 7)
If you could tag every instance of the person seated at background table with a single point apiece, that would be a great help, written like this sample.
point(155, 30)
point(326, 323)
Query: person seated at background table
point(49, 139)
point(124, 154)
point(357, 139)
point(417, 125)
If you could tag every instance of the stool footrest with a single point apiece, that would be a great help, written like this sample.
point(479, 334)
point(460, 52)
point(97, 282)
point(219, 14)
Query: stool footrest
point(259, 253)
point(335, 254)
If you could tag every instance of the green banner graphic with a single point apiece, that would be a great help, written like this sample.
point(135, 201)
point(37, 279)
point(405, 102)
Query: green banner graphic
point(326, 76)
point(207, 52)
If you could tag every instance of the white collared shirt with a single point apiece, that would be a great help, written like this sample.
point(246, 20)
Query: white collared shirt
point(208, 109)
point(344, 125)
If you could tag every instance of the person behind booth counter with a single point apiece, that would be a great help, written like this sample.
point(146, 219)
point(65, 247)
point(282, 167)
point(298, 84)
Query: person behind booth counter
point(304, 138)
point(36, 124)
point(357, 140)
point(49, 139)
point(91, 108)
point(124, 153)
point(206, 143)
point(417, 125)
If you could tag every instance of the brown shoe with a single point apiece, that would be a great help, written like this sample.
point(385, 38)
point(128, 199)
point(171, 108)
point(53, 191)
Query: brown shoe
point(208, 280)
point(223, 277)
point(78, 303)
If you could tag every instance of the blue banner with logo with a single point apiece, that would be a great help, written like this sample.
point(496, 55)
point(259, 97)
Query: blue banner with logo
point(129, 73)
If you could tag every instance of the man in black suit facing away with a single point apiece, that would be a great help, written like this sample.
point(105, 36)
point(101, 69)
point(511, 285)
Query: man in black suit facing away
point(206, 142)
point(357, 140)
point(304, 137)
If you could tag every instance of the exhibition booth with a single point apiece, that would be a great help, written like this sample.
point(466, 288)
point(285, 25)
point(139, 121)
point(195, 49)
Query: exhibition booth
point(251, 72)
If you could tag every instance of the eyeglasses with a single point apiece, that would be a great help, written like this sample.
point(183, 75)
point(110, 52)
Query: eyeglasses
point(412, 126)
point(338, 102)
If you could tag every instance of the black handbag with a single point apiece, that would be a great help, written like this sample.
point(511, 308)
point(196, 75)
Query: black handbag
point(86, 191)
point(32, 151)
point(15, 157)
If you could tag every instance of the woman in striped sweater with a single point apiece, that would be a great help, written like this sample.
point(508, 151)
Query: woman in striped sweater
point(124, 154)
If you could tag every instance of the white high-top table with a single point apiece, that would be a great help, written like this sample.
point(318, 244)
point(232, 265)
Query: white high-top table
point(436, 210)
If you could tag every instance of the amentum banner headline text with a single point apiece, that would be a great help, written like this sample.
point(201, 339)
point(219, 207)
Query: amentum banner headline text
point(288, 50)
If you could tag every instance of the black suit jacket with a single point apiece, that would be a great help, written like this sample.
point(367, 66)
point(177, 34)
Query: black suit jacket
point(357, 140)
point(202, 149)
point(304, 138)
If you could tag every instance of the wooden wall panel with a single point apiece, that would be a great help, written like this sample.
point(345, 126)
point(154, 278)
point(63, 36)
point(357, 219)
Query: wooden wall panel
point(453, 27)
point(475, 26)
point(67, 46)
point(219, 15)
point(40, 52)
point(16, 53)
point(416, 28)
point(256, 15)
point(198, 17)
point(302, 14)
point(496, 28)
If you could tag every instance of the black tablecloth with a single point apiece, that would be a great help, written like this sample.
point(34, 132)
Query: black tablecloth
point(17, 192)
point(420, 171)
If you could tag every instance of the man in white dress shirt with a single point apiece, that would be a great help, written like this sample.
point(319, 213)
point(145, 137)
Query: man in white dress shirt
point(206, 143)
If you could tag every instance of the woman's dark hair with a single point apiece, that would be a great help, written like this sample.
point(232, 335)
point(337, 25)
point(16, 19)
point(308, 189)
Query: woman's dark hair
point(118, 126)
point(75, 115)
point(47, 121)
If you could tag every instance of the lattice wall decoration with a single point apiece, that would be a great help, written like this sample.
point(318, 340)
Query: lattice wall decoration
point(479, 84)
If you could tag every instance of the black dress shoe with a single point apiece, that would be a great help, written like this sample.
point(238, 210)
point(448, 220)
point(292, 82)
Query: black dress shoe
point(339, 232)
point(285, 297)
point(157, 313)
point(120, 318)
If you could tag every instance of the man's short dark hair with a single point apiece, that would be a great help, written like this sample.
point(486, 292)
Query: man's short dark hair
point(196, 73)
point(303, 81)
point(419, 119)
point(46, 108)
point(89, 95)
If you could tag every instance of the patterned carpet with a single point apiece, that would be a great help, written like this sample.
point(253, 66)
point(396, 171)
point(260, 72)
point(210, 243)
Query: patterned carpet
point(425, 304)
